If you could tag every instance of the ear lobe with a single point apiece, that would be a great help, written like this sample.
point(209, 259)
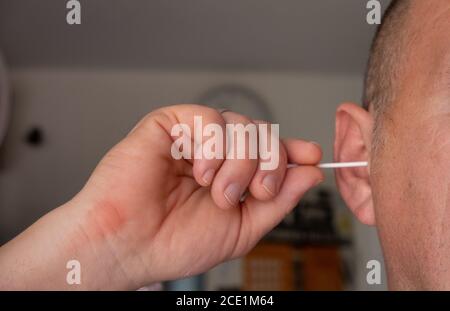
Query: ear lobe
point(353, 138)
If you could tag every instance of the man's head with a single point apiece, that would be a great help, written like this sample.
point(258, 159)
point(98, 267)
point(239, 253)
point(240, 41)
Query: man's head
point(404, 133)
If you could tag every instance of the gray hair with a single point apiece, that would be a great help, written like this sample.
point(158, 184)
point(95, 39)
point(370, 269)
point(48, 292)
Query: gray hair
point(383, 67)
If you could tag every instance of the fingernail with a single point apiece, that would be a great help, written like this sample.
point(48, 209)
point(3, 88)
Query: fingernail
point(233, 193)
point(315, 143)
point(270, 184)
point(208, 176)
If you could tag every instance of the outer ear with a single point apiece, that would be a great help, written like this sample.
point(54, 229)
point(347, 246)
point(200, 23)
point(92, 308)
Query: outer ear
point(354, 127)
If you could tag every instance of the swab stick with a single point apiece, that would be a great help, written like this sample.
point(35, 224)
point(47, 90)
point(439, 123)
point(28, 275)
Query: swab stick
point(337, 165)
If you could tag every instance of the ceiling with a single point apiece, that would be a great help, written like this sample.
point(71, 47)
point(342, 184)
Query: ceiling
point(285, 35)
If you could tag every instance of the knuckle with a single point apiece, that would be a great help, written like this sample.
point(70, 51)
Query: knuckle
point(234, 117)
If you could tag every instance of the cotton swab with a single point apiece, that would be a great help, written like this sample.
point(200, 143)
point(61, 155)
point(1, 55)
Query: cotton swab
point(337, 165)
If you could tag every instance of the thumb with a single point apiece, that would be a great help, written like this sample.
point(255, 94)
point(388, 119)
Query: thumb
point(259, 217)
point(297, 182)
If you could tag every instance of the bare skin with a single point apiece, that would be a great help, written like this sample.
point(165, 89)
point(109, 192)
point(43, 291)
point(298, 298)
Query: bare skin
point(406, 191)
point(144, 217)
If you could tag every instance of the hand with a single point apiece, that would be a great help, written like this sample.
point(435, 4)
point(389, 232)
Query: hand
point(153, 218)
point(180, 218)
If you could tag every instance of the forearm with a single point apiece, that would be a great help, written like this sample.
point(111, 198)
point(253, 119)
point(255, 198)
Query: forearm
point(37, 258)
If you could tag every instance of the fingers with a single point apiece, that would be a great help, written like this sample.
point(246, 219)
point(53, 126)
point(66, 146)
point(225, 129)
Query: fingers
point(266, 215)
point(184, 121)
point(267, 183)
point(238, 169)
point(259, 217)
point(236, 174)
point(207, 128)
point(229, 178)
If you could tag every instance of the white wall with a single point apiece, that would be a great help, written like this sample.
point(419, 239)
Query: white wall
point(83, 113)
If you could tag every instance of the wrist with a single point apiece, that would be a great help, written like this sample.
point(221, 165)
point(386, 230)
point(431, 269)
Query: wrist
point(38, 259)
point(106, 258)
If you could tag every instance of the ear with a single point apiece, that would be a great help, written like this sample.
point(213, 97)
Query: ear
point(354, 127)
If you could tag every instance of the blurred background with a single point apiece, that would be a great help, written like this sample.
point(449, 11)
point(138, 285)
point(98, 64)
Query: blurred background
point(76, 90)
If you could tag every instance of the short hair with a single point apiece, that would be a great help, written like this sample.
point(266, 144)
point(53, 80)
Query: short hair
point(384, 61)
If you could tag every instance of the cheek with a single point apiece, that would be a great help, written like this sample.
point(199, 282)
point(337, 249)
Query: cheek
point(425, 167)
point(416, 172)
point(428, 198)
point(431, 174)
point(411, 188)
